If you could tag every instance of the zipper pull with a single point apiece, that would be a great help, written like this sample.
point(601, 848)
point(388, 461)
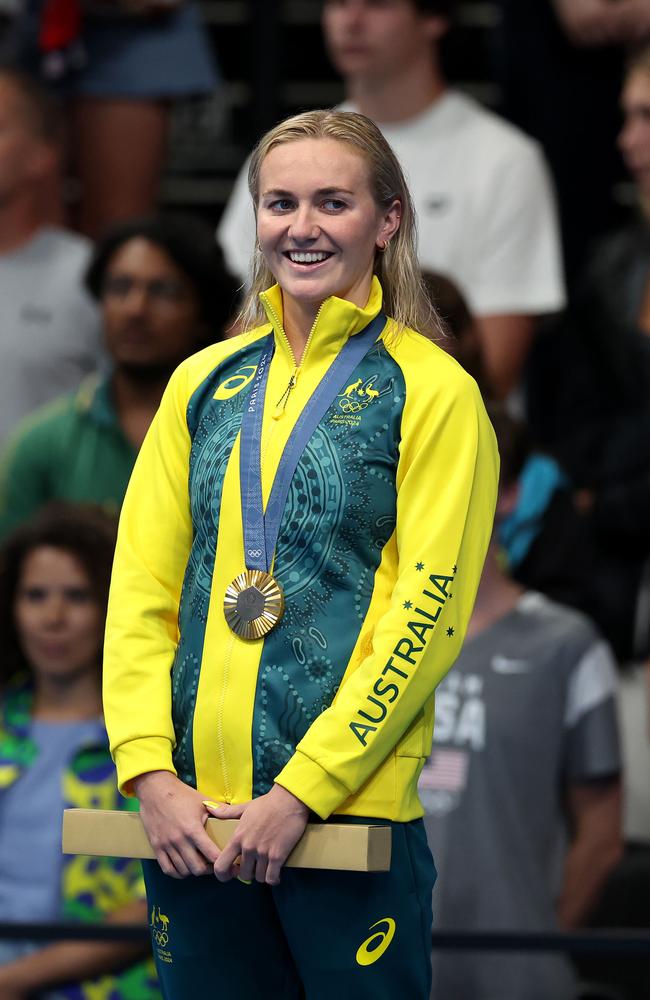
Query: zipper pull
point(281, 404)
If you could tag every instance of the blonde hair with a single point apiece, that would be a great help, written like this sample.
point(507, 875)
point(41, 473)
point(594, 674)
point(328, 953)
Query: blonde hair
point(405, 298)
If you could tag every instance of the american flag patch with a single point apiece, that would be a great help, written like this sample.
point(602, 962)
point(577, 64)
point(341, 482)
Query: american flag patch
point(445, 770)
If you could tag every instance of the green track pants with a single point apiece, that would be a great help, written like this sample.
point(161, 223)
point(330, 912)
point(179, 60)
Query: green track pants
point(319, 935)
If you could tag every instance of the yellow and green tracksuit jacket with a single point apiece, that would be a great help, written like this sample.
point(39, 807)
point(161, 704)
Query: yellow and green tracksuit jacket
point(380, 551)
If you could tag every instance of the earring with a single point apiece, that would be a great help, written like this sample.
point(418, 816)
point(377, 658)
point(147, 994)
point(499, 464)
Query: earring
point(382, 247)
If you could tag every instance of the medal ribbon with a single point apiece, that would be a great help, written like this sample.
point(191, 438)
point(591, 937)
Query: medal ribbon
point(261, 528)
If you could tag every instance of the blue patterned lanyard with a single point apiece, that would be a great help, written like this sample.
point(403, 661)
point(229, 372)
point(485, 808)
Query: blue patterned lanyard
point(261, 527)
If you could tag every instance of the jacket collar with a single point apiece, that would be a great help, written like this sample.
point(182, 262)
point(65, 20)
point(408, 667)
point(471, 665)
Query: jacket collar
point(336, 321)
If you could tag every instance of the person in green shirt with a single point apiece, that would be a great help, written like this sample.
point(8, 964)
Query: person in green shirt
point(164, 293)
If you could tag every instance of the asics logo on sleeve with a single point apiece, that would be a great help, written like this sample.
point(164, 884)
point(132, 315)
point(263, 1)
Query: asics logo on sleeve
point(374, 946)
point(242, 377)
point(506, 665)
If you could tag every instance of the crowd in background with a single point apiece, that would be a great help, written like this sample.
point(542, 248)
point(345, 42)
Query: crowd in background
point(536, 794)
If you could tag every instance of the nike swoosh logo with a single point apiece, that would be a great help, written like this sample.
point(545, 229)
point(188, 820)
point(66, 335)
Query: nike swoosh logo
point(505, 665)
point(437, 203)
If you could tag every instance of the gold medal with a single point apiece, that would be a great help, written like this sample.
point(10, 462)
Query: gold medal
point(253, 604)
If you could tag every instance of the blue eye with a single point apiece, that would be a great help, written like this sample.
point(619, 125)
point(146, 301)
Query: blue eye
point(333, 205)
point(281, 205)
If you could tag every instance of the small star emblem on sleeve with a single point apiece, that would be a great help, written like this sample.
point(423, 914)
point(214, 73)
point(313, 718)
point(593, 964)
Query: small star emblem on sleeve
point(419, 566)
point(450, 631)
point(455, 569)
point(408, 605)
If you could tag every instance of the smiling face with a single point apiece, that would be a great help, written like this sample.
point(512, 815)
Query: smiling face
point(58, 619)
point(318, 224)
point(634, 139)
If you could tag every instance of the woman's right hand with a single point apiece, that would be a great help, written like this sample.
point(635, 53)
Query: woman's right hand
point(174, 818)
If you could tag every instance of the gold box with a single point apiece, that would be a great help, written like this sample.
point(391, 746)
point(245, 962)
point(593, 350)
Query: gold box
point(336, 846)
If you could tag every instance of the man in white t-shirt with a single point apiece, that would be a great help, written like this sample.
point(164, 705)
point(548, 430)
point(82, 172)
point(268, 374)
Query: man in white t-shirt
point(49, 326)
point(482, 192)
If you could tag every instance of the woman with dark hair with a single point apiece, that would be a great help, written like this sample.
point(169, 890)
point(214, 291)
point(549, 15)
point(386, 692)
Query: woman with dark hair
point(54, 577)
point(309, 499)
point(462, 338)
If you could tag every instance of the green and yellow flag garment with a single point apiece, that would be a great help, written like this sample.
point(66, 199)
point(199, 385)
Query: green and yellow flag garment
point(380, 551)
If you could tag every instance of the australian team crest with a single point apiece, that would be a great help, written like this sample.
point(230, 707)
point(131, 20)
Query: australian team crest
point(159, 927)
point(355, 398)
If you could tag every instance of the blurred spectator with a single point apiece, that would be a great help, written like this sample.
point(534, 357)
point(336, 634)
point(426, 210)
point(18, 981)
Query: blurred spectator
point(589, 406)
point(120, 63)
point(559, 74)
point(634, 141)
point(573, 111)
point(525, 753)
point(54, 576)
point(604, 22)
point(49, 327)
point(481, 189)
point(164, 294)
point(463, 340)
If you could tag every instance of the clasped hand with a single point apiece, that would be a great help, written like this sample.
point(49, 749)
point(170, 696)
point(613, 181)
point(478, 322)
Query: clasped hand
point(269, 828)
point(174, 816)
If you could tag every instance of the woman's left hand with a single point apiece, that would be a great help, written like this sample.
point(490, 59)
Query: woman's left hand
point(269, 828)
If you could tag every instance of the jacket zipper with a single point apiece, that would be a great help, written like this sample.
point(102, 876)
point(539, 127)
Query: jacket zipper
point(278, 412)
point(281, 404)
point(221, 746)
point(284, 398)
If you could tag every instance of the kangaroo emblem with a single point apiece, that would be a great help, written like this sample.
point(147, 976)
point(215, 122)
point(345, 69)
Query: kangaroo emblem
point(351, 388)
point(159, 927)
point(160, 922)
point(358, 396)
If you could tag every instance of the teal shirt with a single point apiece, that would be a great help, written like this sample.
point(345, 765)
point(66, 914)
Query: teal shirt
point(72, 449)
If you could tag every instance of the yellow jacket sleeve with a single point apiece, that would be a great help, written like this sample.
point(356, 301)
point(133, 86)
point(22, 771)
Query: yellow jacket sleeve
point(154, 540)
point(446, 482)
